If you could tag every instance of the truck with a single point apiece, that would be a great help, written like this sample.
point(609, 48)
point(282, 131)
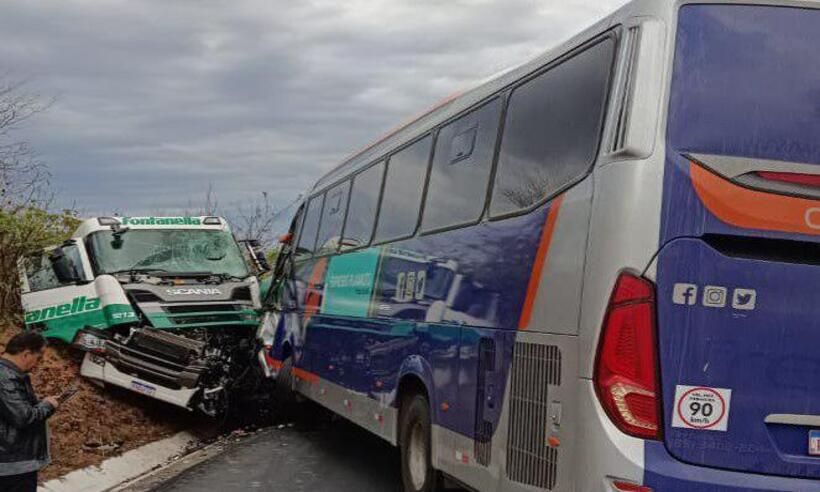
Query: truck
point(162, 306)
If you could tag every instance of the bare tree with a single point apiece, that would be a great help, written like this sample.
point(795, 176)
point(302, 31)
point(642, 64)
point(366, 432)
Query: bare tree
point(257, 218)
point(26, 224)
point(24, 180)
point(528, 188)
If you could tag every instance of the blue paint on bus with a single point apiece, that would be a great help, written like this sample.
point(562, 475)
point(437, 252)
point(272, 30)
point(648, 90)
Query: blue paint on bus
point(767, 355)
point(474, 285)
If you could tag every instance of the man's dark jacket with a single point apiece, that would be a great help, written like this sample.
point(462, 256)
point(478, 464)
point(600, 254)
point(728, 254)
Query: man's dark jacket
point(23, 434)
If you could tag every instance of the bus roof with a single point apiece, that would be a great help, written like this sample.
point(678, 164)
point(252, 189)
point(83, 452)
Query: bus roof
point(455, 104)
point(461, 101)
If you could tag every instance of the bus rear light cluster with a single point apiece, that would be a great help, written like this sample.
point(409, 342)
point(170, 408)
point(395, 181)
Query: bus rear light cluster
point(794, 178)
point(626, 378)
point(629, 487)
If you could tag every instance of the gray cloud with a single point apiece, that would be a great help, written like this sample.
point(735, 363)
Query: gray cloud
point(158, 99)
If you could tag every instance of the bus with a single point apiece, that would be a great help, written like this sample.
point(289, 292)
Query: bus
point(596, 271)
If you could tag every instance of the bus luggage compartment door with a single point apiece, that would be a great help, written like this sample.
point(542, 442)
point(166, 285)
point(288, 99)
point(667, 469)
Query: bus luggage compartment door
point(739, 344)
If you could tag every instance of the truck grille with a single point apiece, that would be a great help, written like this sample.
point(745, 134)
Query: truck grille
point(159, 357)
point(162, 343)
point(530, 460)
point(194, 314)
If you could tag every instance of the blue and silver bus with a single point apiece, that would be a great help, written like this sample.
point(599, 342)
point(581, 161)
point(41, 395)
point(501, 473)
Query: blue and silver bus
point(599, 270)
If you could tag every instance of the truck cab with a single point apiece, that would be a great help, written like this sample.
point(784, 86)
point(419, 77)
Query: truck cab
point(163, 306)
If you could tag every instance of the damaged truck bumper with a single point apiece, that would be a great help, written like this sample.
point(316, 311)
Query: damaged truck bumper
point(96, 368)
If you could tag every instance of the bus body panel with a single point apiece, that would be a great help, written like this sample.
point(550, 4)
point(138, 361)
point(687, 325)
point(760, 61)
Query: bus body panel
point(421, 329)
point(557, 301)
point(761, 346)
point(354, 364)
point(737, 275)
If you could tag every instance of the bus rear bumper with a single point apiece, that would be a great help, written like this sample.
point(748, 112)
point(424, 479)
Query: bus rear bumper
point(665, 473)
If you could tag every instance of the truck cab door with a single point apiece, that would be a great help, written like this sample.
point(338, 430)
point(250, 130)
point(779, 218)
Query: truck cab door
point(55, 290)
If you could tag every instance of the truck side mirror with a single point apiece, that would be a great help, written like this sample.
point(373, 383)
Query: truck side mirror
point(64, 268)
point(256, 254)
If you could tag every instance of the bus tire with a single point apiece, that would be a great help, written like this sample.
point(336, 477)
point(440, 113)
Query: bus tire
point(285, 397)
point(417, 472)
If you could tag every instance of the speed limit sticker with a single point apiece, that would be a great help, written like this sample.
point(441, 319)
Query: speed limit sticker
point(701, 408)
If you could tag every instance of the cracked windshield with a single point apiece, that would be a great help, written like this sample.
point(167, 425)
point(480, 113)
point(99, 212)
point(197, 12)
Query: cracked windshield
point(171, 251)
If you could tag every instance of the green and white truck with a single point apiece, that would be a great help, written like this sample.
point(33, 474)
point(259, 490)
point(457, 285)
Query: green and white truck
point(164, 306)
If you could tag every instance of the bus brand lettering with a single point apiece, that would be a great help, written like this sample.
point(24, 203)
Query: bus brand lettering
point(351, 280)
point(187, 221)
point(813, 218)
point(77, 305)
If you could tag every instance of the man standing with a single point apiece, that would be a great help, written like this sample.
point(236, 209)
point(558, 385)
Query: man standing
point(24, 447)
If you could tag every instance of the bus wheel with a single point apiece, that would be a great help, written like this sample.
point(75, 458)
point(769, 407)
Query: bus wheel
point(285, 397)
point(417, 471)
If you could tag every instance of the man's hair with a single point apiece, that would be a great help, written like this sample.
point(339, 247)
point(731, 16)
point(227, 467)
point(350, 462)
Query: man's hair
point(25, 341)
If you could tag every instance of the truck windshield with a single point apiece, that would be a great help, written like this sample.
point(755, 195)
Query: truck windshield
point(172, 251)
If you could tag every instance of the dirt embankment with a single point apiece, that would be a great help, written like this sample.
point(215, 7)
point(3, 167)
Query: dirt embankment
point(96, 424)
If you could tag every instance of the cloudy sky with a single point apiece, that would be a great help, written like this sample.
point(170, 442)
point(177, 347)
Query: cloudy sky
point(155, 100)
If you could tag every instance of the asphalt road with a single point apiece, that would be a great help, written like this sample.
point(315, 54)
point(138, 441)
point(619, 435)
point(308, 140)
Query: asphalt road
point(320, 455)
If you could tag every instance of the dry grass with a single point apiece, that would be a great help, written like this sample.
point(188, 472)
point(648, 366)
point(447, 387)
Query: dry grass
point(96, 424)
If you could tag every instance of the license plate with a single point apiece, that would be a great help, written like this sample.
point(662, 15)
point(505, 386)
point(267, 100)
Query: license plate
point(814, 443)
point(143, 388)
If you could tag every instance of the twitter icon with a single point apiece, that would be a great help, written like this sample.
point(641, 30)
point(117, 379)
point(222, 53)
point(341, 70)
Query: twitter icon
point(744, 299)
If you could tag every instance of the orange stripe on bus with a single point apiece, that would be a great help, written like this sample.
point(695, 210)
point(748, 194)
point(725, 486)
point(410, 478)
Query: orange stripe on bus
point(305, 376)
point(274, 363)
point(540, 260)
point(313, 296)
point(751, 209)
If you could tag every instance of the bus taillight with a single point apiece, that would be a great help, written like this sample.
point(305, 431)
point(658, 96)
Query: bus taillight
point(794, 178)
point(629, 487)
point(626, 369)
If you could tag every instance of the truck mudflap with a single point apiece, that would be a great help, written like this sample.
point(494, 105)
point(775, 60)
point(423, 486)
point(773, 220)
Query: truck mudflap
point(739, 355)
point(96, 368)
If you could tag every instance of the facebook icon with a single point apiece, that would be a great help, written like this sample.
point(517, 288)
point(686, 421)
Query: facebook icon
point(685, 294)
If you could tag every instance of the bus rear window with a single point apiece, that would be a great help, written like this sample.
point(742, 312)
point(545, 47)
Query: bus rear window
point(747, 82)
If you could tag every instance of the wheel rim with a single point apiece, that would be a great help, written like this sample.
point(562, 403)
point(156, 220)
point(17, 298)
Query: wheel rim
point(417, 456)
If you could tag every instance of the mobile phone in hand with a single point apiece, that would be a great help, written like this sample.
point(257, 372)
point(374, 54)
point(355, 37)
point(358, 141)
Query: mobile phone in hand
point(69, 392)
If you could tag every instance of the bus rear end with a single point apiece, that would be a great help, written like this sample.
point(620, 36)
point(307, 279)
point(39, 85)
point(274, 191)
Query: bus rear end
point(737, 277)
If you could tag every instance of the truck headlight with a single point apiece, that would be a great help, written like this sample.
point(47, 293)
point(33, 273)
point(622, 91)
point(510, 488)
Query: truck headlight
point(90, 342)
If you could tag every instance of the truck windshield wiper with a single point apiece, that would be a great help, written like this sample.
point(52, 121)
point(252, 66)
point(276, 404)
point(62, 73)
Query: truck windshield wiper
point(227, 276)
point(166, 273)
point(134, 271)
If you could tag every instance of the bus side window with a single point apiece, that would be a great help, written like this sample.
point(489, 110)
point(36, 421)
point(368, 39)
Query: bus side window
point(364, 202)
point(333, 216)
point(310, 228)
point(403, 187)
point(553, 129)
point(461, 168)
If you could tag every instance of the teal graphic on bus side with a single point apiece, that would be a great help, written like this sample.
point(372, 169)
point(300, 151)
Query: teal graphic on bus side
point(349, 283)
